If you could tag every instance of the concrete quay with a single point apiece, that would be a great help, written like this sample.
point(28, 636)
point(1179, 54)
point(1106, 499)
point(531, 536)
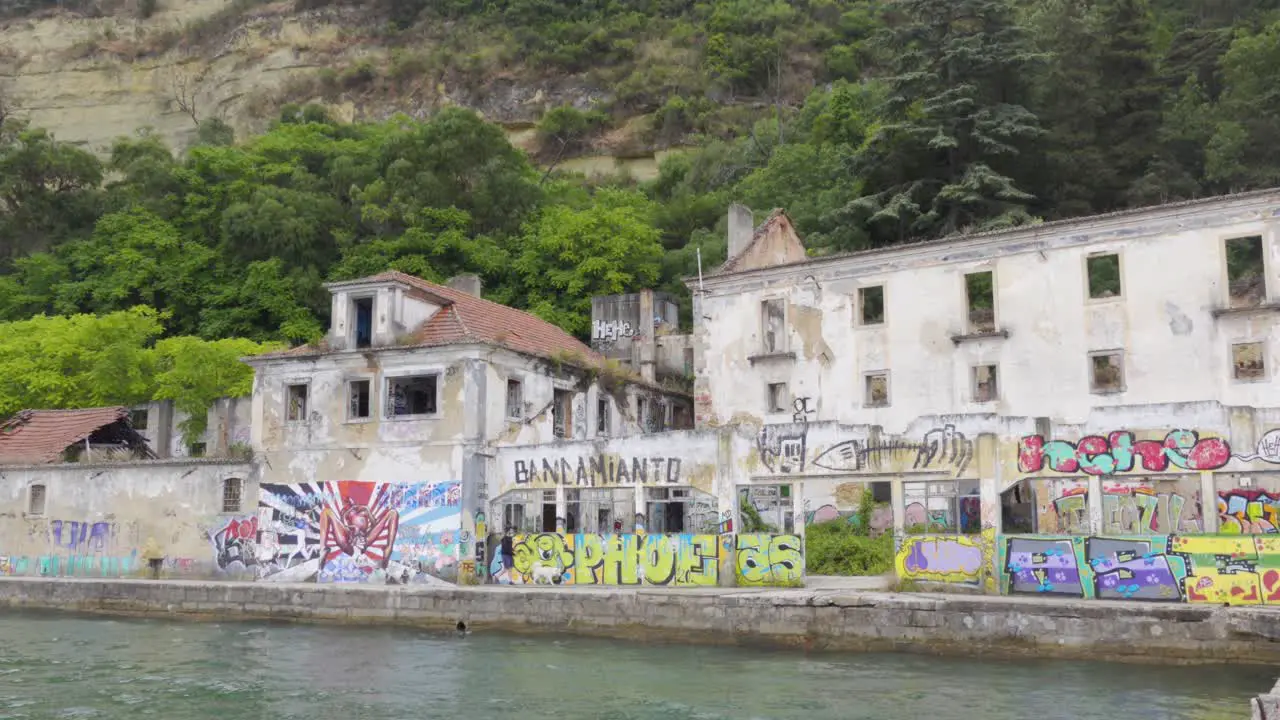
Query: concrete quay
point(808, 618)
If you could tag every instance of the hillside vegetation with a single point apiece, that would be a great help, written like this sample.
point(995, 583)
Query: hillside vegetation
point(871, 123)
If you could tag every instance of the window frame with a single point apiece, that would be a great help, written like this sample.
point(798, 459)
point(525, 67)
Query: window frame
point(970, 327)
point(604, 417)
point(781, 345)
point(144, 413)
point(859, 310)
point(1093, 386)
point(388, 408)
point(306, 402)
point(1266, 366)
point(516, 411)
point(973, 383)
point(780, 403)
point(369, 381)
point(1223, 241)
point(866, 389)
point(239, 495)
point(42, 494)
point(353, 318)
point(1088, 284)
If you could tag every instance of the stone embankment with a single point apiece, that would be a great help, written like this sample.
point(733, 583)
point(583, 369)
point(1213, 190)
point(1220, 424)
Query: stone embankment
point(814, 619)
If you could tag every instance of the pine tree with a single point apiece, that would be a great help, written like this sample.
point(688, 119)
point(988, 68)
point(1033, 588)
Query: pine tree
point(958, 119)
point(1129, 127)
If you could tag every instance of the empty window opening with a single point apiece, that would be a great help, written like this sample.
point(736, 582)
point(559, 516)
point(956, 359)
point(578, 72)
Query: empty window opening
point(773, 315)
point(871, 305)
point(876, 392)
point(231, 491)
point(688, 361)
point(941, 507)
point(358, 399)
point(680, 510)
point(562, 414)
point(35, 500)
point(1249, 361)
point(604, 419)
point(1106, 372)
point(985, 388)
point(362, 312)
point(1104, 276)
point(643, 415)
point(600, 510)
point(138, 419)
point(777, 397)
point(1246, 281)
point(407, 396)
point(980, 298)
point(196, 450)
point(515, 399)
point(297, 410)
point(766, 509)
point(528, 511)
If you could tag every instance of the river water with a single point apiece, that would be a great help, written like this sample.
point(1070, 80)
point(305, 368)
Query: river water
point(60, 666)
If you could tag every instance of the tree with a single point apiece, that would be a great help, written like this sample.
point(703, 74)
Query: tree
point(48, 189)
point(1132, 99)
point(957, 121)
point(568, 255)
point(194, 373)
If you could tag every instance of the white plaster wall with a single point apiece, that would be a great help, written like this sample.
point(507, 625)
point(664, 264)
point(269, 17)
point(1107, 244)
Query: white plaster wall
point(166, 507)
point(1173, 275)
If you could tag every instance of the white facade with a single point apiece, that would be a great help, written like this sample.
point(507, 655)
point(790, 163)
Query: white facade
point(1168, 325)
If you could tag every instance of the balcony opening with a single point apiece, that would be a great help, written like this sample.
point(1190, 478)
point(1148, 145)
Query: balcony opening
point(1104, 276)
point(362, 310)
point(980, 298)
point(1246, 279)
point(871, 305)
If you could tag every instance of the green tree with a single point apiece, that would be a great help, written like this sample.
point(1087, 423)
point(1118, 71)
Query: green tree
point(568, 255)
point(194, 373)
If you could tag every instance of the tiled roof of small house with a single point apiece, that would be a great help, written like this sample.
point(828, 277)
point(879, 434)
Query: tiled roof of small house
point(464, 318)
point(40, 436)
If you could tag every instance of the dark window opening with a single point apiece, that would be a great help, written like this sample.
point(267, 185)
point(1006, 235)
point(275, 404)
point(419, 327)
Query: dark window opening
point(138, 419)
point(196, 450)
point(603, 420)
point(1246, 280)
point(515, 400)
point(363, 308)
point(1104, 276)
point(562, 414)
point(297, 410)
point(980, 299)
point(773, 325)
point(871, 305)
point(778, 399)
point(1248, 361)
point(411, 395)
point(1106, 372)
point(985, 388)
point(358, 399)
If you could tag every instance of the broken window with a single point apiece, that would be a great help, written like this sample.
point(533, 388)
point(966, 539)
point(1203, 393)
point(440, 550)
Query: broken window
point(231, 491)
point(562, 414)
point(528, 511)
point(362, 321)
point(604, 419)
point(196, 450)
point(876, 392)
point(1104, 275)
point(138, 419)
point(358, 400)
point(600, 510)
point(1246, 281)
point(642, 413)
point(35, 500)
point(297, 403)
point(1249, 361)
point(941, 507)
point(774, 325)
point(766, 508)
point(980, 299)
point(515, 400)
point(871, 305)
point(1106, 371)
point(688, 361)
point(777, 397)
point(985, 388)
point(415, 395)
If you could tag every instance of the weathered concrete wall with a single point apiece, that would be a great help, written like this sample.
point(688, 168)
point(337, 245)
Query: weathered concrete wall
point(108, 520)
point(816, 620)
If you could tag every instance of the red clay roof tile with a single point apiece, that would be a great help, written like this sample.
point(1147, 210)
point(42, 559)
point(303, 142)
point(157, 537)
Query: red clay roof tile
point(40, 436)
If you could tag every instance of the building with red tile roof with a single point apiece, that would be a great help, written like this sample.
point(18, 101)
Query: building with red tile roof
point(34, 437)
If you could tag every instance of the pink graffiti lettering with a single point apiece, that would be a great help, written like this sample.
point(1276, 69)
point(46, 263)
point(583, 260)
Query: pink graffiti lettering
point(1097, 455)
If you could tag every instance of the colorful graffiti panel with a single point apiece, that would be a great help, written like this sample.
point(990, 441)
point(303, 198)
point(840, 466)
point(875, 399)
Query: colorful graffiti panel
point(1248, 511)
point(611, 559)
point(353, 531)
point(1045, 566)
point(1156, 507)
point(955, 559)
point(769, 560)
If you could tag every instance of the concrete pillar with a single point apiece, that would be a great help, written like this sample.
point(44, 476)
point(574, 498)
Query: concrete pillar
point(1095, 505)
point(898, 498)
point(164, 429)
point(1208, 503)
point(562, 509)
point(741, 229)
point(642, 519)
point(645, 337)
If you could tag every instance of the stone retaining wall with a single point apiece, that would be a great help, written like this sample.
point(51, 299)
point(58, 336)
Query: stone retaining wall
point(809, 619)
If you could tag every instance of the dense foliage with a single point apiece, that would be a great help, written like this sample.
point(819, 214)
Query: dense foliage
point(871, 125)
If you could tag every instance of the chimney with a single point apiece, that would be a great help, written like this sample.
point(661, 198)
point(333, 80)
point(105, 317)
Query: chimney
point(741, 228)
point(468, 283)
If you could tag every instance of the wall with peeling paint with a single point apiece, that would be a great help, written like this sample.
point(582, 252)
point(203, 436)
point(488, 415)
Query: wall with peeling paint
point(1177, 349)
point(110, 520)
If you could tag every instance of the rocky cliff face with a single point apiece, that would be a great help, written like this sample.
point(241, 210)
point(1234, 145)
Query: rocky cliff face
point(90, 76)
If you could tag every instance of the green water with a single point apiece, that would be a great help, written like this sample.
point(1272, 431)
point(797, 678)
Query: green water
point(58, 666)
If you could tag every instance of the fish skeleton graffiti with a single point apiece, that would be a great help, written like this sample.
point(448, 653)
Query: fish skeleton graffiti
point(940, 447)
point(352, 531)
point(1118, 451)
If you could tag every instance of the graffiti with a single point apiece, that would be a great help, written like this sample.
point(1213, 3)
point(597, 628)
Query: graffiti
point(1042, 566)
point(80, 537)
point(942, 559)
point(353, 531)
point(608, 331)
point(598, 471)
point(235, 545)
point(1117, 452)
point(774, 560)
point(612, 559)
point(1248, 512)
point(74, 566)
point(482, 535)
point(940, 447)
point(782, 447)
point(1268, 449)
point(803, 413)
point(1130, 508)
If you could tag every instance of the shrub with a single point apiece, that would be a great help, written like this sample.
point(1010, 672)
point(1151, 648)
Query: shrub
point(569, 127)
point(838, 548)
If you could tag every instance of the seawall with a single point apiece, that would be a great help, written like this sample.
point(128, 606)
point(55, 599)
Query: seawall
point(811, 619)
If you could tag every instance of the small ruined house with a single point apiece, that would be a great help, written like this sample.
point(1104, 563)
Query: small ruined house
point(39, 437)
